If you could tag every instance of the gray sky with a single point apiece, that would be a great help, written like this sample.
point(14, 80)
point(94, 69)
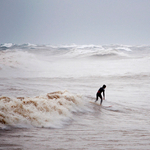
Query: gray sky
point(75, 21)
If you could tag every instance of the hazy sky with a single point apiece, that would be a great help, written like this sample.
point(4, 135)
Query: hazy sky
point(75, 21)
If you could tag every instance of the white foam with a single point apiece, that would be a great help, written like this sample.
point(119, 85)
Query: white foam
point(8, 45)
point(50, 110)
point(124, 48)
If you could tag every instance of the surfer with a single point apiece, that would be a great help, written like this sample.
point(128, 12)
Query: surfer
point(100, 91)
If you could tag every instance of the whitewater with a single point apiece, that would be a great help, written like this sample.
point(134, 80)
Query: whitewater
point(47, 96)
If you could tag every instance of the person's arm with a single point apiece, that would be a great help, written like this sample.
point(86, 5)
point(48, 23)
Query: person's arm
point(103, 94)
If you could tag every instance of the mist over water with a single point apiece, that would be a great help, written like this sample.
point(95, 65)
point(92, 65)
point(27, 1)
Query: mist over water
point(52, 87)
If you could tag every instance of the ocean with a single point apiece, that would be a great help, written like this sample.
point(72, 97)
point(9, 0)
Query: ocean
point(47, 96)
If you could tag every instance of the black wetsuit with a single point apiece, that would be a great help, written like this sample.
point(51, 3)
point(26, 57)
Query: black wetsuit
point(101, 90)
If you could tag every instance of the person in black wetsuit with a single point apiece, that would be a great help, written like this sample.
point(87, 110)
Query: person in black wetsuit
point(100, 91)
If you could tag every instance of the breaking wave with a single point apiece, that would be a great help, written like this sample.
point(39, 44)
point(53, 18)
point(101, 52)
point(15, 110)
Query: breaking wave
point(72, 50)
point(76, 51)
point(50, 110)
point(30, 60)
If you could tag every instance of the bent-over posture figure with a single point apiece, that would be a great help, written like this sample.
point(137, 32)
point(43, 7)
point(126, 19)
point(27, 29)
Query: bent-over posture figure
point(100, 91)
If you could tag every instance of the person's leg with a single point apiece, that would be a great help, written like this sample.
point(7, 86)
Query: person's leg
point(96, 97)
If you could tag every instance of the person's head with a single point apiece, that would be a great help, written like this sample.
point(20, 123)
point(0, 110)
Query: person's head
point(104, 86)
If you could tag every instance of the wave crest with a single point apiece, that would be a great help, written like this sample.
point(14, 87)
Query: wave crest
point(50, 110)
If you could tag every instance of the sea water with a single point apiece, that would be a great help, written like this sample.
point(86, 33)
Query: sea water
point(46, 93)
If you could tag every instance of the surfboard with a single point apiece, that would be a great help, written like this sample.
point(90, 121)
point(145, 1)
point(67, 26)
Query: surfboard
point(95, 103)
